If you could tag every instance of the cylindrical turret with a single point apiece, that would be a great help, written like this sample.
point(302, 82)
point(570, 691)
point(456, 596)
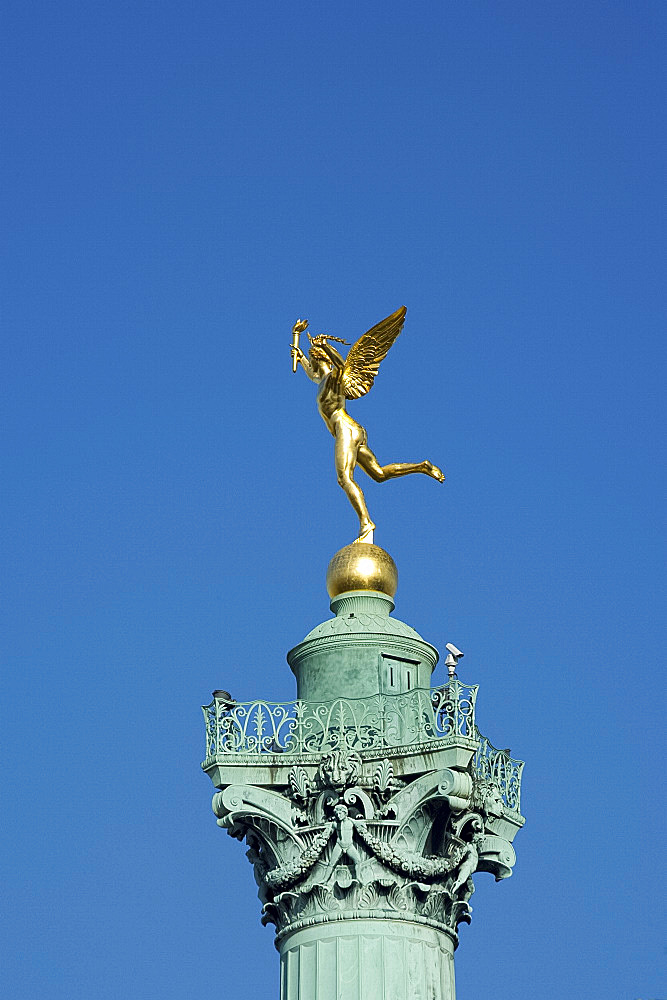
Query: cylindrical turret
point(361, 652)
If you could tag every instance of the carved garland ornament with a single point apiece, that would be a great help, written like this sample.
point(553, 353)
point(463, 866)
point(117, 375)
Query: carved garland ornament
point(412, 865)
point(281, 878)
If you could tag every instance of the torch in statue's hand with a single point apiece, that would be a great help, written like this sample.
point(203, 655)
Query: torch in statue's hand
point(298, 328)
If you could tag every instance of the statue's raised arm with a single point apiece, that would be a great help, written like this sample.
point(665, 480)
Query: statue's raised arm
point(341, 379)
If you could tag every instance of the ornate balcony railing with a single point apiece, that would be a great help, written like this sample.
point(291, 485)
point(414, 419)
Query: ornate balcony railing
point(303, 727)
point(496, 765)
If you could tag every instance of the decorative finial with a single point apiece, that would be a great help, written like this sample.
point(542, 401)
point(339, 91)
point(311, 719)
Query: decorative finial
point(362, 567)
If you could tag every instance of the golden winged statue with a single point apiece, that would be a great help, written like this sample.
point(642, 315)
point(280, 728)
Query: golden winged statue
point(340, 379)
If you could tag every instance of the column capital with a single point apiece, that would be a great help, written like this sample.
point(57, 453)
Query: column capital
point(344, 843)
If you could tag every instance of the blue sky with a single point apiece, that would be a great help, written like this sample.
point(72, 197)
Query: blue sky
point(180, 182)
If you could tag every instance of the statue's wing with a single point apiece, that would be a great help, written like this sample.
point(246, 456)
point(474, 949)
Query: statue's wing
point(363, 361)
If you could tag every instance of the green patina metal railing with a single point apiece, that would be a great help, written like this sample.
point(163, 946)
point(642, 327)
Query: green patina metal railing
point(304, 727)
point(491, 764)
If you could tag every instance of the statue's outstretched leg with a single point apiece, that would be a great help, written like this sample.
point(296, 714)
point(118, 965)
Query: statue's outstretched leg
point(369, 463)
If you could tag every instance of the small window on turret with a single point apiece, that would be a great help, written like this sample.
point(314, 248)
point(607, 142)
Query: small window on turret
point(397, 673)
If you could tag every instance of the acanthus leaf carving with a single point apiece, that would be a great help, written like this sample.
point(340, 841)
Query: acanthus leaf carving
point(299, 784)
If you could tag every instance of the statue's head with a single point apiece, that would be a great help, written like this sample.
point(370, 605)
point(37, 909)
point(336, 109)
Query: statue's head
point(316, 351)
point(340, 811)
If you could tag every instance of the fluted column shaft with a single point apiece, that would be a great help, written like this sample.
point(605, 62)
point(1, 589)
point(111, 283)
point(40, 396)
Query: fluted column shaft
point(371, 959)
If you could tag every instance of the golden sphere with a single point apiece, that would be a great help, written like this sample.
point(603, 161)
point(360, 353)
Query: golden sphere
point(361, 566)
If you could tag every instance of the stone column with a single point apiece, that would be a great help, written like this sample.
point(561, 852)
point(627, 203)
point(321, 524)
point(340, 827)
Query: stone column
point(367, 804)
